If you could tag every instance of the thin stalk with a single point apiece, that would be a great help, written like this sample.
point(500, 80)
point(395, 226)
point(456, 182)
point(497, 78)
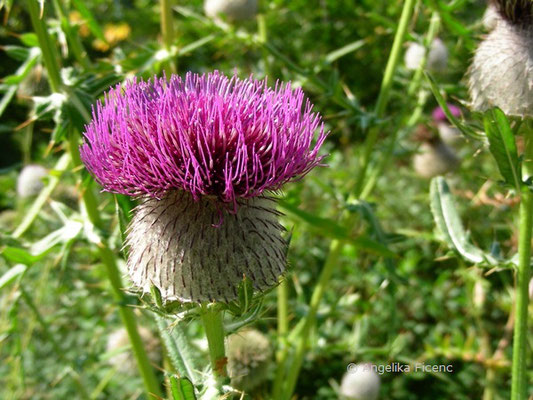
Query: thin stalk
point(325, 276)
point(107, 256)
point(384, 92)
point(49, 51)
point(283, 319)
point(523, 274)
point(167, 31)
point(73, 38)
point(336, 245)
point(214, 331)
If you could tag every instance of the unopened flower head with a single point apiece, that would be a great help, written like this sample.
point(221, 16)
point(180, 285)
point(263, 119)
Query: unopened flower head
point(122, 358)
point(249, 357)
point(437, 59)
point(501, 74)
point(361, 382)
point(30, 180)
point(233, 10)
point(204, 153)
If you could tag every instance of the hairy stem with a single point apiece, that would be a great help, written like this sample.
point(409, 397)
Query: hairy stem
point(214, 330)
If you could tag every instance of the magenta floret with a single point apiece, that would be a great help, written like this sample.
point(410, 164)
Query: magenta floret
point(208, 135)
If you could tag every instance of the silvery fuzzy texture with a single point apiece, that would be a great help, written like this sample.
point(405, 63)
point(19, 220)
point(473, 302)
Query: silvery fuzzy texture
point(233, 10)
point(360, 383)
point(491, 18)
point(30, 180)
point(501, 73)
point(450, 135)
point(249, 356)
point(124, 361)
point(194, 251)
point(437, 58)
point(434, 159)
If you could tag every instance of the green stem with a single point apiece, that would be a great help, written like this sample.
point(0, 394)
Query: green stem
point(167, 31)
point(72, 36)
point(108, 258)
point(283, 315)
point(384, 93)
point(325, 276)
point(519, 367)
point(49, 51)
point(214, 330)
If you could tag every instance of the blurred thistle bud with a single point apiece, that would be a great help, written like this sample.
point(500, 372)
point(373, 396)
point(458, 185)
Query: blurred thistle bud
point(249, 358)
point(478, 295)
point(30, 180)
point(34, 84)
point(233, 10)
point(531, 289)
point(122, 359)
point(202, 154)
point(361, 382)
point(433, 157)
point(501, 73)
point(437, 60)
point(448, 133)
point(491, 17)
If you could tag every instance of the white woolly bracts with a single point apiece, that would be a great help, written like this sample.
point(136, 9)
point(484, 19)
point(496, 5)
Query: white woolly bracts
point(194, 252)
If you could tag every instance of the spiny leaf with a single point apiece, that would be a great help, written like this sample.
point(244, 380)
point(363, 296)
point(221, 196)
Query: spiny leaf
point(449, 223)
point(182, 389)
point(502, 146)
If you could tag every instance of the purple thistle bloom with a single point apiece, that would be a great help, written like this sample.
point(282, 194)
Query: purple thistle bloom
point(439, 116)
point(193, 150)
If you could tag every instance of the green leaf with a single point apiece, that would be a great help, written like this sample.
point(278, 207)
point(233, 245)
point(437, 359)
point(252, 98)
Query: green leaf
point(449, 223)
point(11, 274)
point(179, 350)
point(465, 129)
point(89, 19)
point(344, 50)
point(182, 389)
point(330, 228)
point(18, 255)
point(502, 146)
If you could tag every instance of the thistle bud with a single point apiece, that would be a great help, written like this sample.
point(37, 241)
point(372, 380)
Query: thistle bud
point(249, 357)
point(361, 382)
point(433, 157)
point(501, 73)
point(30, 180)
point(449, 134)
point(124, 361)
point(233, 10)
point(437, 60)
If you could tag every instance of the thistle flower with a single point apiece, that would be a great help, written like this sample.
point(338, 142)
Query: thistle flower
point(124, 361)
point(501, 73)
point(203, 154)
point(249, 356)
point(361, 382)
point(233, 10)
point(434, 157)
point(437, 60)
point(30, 180)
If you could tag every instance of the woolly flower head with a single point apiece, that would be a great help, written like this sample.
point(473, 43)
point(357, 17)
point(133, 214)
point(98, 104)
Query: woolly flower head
point(249, 356)
point(118, 344)
point(233, 10)
point(30, 180)
point(501, 73)
point(361, 382)
point(203, 153)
